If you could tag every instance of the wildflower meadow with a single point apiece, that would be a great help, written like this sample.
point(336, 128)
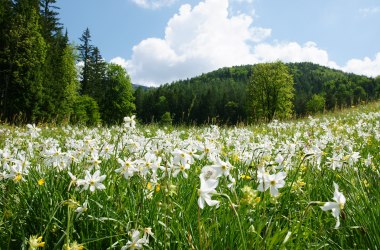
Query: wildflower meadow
point(310, 183)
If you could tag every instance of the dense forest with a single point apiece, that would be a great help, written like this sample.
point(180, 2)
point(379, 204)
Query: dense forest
point(221, 96)
point(44, 78)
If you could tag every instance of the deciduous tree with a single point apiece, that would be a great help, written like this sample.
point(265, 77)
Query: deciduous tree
point(271, 91)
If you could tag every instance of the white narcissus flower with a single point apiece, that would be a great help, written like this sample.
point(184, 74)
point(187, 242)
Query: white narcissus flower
point(336, 206)
point(127, 168)
point(181, 156)
point(222, 167)
point(73, 181)
point(181, 166)
point(92, 181)
point(273, 182)
point(83, 208)
point(33, 130)
point(207, 189)
point(368, 161)
point(208, 172)
point(129, 121)
point(136, 243)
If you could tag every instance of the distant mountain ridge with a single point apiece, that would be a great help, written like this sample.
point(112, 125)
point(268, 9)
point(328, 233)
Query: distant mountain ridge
point(220, 95)
point(136, 86)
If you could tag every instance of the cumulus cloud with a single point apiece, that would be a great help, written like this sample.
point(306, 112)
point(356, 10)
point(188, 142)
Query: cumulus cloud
point(120, 61)
point(153, 4)
point(364, 66)
point(197, 39)
point(207, 36)
point(293, 52)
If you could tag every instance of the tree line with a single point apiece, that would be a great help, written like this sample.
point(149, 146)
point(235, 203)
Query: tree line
point(232, 95)
point(39, 80)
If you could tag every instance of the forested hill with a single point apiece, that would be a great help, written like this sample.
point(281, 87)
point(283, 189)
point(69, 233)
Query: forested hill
point(221, 96)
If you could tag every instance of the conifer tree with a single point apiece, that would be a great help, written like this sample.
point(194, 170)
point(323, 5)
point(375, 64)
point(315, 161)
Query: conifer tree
point(24, 57)
point(49, 19)
point(6, 15)
point(96, 76)
point(85, 50)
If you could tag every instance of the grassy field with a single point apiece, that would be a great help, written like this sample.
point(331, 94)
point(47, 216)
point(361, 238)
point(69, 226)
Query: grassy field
point(305, 184)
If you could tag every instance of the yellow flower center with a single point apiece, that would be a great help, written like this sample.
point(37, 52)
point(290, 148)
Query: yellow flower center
point(18, 178)
point(341, 206)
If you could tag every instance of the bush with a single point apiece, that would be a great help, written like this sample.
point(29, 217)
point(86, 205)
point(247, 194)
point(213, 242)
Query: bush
point(316, 104)
point(166, 119)
point(86, 111)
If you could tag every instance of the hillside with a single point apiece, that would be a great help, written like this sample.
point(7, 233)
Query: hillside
point(220, 96)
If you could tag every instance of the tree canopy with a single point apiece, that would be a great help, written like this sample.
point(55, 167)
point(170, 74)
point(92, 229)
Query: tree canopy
point(38, 71)
point(222, 96)
point(270, 92)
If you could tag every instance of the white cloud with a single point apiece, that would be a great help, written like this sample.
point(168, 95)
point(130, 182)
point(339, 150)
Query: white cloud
point(120, 61)
point(153, 4)
point(197, 39)
point(206, 37)
point(364, 66)
point(293, 52)
point(369, 11)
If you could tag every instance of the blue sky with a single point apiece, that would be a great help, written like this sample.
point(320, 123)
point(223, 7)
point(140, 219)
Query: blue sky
point(159, 41)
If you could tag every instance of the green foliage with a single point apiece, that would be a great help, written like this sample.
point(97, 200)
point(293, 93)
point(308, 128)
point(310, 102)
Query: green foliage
point(316, 104)
point(86, 111)
point(118, 99)
point(70, 83)
point(198, 100)
point(24, 59)
point(49, 20)
point(271, 92)
point(208, 97)
point(38, 74)
point(60, 86)
point(166, 119)
point(97, 74)
point(85, 50)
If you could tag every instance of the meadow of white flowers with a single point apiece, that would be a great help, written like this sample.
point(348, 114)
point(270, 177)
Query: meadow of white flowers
point(133, 186)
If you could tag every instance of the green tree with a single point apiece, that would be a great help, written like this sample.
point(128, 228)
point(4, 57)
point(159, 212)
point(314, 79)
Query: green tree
point(6, 17)
point(231, 110)
point(70, 85)
point(86, 111)
point(271, 91)
point(51, 27)
point(161, 106)
point(55, 77)
point(55, 44)
point(118, 95)
point(166, 119)
point(24, 57)
point(97, 68)
point(316, 104)
point(377, 86)
point(85, 50)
